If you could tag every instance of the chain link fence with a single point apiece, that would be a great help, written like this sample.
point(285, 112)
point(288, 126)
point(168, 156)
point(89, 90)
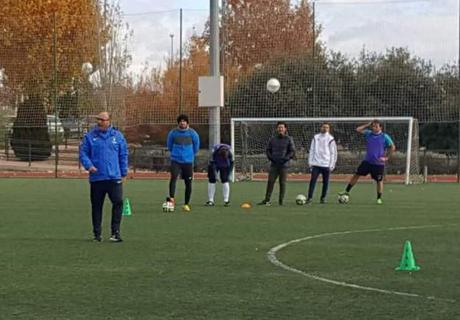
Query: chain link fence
point(57, 70)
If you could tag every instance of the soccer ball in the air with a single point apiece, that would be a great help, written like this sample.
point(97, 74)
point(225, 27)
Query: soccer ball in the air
point(168, 206)
point(343, 198)
point(87, 68)
point(273, 85)
point(300, 199)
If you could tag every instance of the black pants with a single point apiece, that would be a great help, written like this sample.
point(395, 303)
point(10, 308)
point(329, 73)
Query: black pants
point(273, 174)
point(377, 171)
point(98, 191)
point(186, 172)
point(315, 172)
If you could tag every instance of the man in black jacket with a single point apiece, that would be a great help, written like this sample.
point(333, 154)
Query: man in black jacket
point(280, 150)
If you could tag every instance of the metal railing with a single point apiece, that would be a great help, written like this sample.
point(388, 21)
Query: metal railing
point(155, 158)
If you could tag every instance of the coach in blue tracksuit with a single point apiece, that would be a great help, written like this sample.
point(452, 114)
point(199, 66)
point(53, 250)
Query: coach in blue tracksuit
point(104, 153)
point(183, 143)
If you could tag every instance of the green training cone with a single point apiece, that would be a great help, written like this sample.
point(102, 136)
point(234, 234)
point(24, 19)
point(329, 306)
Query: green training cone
point(407, 259)
point(127, 208)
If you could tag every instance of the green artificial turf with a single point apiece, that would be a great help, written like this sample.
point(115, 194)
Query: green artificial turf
point(212, 263)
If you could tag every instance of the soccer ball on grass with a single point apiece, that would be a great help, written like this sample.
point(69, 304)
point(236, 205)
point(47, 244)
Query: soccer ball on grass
point(343, 198)
point(168, 206)
point(300, 199)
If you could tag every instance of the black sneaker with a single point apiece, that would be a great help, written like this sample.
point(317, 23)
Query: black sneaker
point(210, 204)
point(322, 201)
point(97, 239)
point(309, 201)
point(116, 237)
point(227, 204)
point(264, 203)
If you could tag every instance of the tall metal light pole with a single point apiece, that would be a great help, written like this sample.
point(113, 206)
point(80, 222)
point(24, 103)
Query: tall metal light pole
point(214, 62)
point(314, 54)
point(458, 102)
point(55, 92)
point(180, 61)
point(171, 59)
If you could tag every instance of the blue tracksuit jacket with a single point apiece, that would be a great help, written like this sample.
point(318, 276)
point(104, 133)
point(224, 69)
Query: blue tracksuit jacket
point(107, 151)
point(183, 144)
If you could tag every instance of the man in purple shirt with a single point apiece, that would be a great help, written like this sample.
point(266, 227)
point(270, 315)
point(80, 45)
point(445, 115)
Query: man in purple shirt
point(379, 147)
point(221, 163)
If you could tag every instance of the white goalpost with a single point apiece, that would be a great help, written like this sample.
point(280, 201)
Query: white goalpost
point(249, 137)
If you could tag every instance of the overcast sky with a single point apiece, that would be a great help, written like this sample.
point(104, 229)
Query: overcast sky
point(428, 28)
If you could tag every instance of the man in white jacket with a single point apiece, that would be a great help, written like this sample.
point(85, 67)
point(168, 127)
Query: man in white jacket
point(321, 160)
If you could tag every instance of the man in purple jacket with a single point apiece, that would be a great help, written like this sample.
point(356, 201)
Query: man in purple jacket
point(379, 148)
point(221, 163)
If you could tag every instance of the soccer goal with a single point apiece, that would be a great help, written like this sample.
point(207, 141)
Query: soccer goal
point(249, 138)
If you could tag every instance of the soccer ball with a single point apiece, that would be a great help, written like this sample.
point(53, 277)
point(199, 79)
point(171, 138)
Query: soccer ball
point(343, 198)
point(273, 85)
point(300, 199)
point(86, 68)
point(168, 206)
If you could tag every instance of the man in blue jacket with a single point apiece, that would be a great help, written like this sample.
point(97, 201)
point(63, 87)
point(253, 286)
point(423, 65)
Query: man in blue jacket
point(183, 143)
point(104, 153)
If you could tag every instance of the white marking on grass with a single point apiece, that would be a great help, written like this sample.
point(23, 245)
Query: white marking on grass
point(271, 255)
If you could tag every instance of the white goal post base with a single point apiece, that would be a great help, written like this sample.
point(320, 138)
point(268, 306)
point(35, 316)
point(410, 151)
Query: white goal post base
point(249, 137)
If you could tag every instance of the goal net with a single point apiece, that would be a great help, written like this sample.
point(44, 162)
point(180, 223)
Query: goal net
point(249, 138)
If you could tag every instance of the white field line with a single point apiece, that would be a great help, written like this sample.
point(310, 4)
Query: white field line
point(271, 255)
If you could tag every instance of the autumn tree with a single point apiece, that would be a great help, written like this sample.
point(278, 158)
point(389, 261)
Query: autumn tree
point(42, 47)
point(34, 33)
point(161, 88)
point(114, 57)
point(254, 32)
point(102, 87)
point(156, 97)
